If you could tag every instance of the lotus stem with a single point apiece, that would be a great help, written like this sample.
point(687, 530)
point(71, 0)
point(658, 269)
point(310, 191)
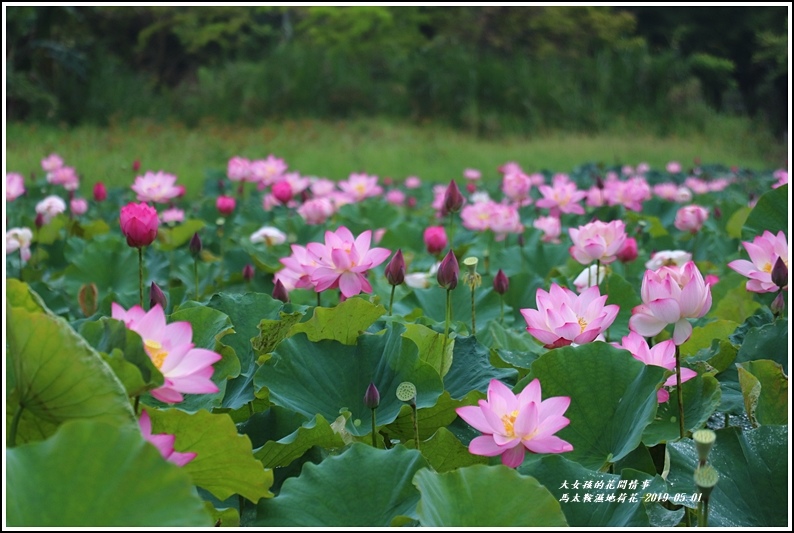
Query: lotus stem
point(12, 433)
point(679, 391)
point(140, 273)
point(415, 422)
point(447, 321)
point(374, 440)
point(473, 316)
point(195, 275)
point(391, 298)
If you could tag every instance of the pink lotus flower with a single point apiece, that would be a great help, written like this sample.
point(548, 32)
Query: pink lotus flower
point(156, 187)
point(15, 186)
point(267, 171)
point(173, 215)
point(395, 197)
point(516, 186)
point(630, 193)
point(563, 318)
point(781, 175)
point(764, 252)
point(661, 354)
point(435, 239)
point(691, 218)
point(668, 258)
point(671, 295)
point(238, 169)
point(65, 176)
point(597, 241)
point(225, 205)
point(343, 262)
point(412, 182)
point(472, 174)
point(19, 239)
point(78, 206)
point(50, 207)
point(51, 162)
point(673, 167)
point(360, 186)
point(316, 210)
point(512, 424)
point(282, 191)
point(139, 224)
point(185, 369)
point(164, 442)
point(551, 228)
point(561, 197)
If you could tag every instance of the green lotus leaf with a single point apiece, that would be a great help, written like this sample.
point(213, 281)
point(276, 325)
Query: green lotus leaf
point(753, 489)
point(172, 238)
point(326, 377)
point(272, 332)
point(106, 261)
point(732, 300)
point(224, 464)
point(474, 496)
point(431, 347)
point(343, 323)
point(701, 399)
point(445, 452)
point(58, 375)
point(362, 487)
point(623, 294)
point(703, 336)
point(472, 369)
point(429, 419)
point(765, 390)
point(92, 474)
point(317, 432)
point(769, 214)
point(613, 398)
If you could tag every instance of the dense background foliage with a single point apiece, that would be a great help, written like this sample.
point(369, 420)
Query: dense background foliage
point(491, 70)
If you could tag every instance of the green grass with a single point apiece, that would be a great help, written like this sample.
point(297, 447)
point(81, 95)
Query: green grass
point(380, 147)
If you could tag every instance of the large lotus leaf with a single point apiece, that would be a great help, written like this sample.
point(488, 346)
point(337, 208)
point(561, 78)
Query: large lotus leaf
point(108, 262)
point(58, 376)
point(362, 487)
point(430, 419)
point(327, 377)
point(701, 396)
point(124, 353)
point(343, 323)
point(431, 347)
point(517, 349)
point(623, 294)
point(735, 304)
point(445, 452)
point(282, 452)
point(478, 496)
point(433, 304)
point(472, 369)
point(736, 222)
point(272, 332)
point(570, 482)
point(765, 391)
point(172, 238)
point(753, 489)
point(92, 474)
point(224, 464)
point(769, 214)
point(703, 336)
point(613, 398)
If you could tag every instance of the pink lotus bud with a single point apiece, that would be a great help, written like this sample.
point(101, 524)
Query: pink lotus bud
point(136, 166)
point(248, 272)
point(78, 206)
point(448, 270)
point(395, 270)
point(471, 188)
point(100, 192)
point(139, 223)
point(453, 199)
point(500, 282)
point(372, 396)
point(282, 191)
point(778, 304)
point(691, 218)
point(435, 239)
point(181, 190)
point(225, 205)
point(780, 273)
point(280, 292)
point(628, 251)
point(711, 279)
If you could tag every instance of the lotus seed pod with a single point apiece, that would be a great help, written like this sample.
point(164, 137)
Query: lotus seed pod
point(704, 440)
point(406, 391)
point(706, 478)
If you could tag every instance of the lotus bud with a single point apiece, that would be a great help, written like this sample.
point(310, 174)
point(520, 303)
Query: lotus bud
point(704, 440)
point(282, 191)
point(448, 271)
point(195, 244)
point(39, 220)
point(453, 199)
point(599, 182)
point(248, 272)
point(372, 396)
point(280, 292)
point(225, 205)
point(778, 304)
point(395, 270)
point(156, 297)
point(87, 298)
point(500, 282)
point(100, 192)
point(628, 252)
point(136, 166)
point(780, 273)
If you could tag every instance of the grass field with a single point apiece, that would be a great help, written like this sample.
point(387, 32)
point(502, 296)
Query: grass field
point(383, 148)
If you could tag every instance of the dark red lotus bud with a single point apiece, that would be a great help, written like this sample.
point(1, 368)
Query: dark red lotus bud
point(248, 272)
point(500, 282)
point(780, 273)
point(39, 220)
point(136, 166)
point(156, 296)
point(395, 270)
point(372, 397)
point(195, 244)
point(448, 271)
point(100, 192)
point(280, 292)
point(453, 199)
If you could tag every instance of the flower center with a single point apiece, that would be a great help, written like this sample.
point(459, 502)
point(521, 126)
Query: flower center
point(508, 421)
point(155, 352)
point(582, 324)
point(767, 267)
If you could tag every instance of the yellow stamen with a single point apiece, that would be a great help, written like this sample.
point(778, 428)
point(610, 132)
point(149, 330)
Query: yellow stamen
point(508, 421)
point(156, 353)
point(767, 267)
point(582, 325)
